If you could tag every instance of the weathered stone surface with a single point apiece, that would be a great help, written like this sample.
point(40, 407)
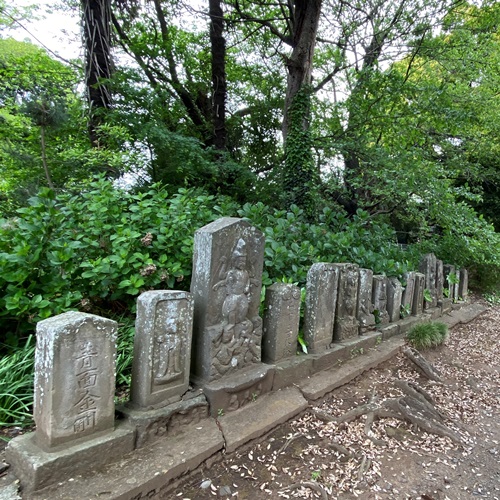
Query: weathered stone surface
point(346, 324)
point(291, 370)
point(37, 469)
point(74, 378)
point(390, 330)
point(394, 297)
point(408, 292)
point(162, 348)
point(365, 314)
point(446, 305)
point(322, 383)
point(167, 421)
point(439, 280)
point(321, 301)
point(379, 298)
point(260, 417)
point(406, 324)
point(226, 285)
point(281, 322)
point(418, 296)
point(146, 471)
point(463, 285)
point(237, 390)
point(427, 267)
point(450, 275)
point(464, 314)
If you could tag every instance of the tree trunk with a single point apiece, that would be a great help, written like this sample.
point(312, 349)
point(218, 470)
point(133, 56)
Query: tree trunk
point(98, 63)
point(219, 87)
point(305, 20)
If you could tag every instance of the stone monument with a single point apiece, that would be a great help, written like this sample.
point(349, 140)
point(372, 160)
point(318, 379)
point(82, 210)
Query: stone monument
point(463, 284)
point(450, 276)
point(365, 314)
point(226, 286)
point(408, 292)
point(346, 323)
point(439, 280)
point(281, 322)
point(162, 348)
point(394, 297)
point(321, 302)
point(427, 267)
point(379, 298)
point(418, 296)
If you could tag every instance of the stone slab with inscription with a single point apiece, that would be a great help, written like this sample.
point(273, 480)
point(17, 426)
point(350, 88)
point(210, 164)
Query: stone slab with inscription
point(321, 302)
point(74, 378)
point(365, 314)
point(226, 285)
point(427, 266)
point(450, 277)
point(379, 298)
point(346, 324)
point(162, 348)
point(394, 297)
point(418, 295)
point(281, 322)
point(408, 292)
point(463, 285)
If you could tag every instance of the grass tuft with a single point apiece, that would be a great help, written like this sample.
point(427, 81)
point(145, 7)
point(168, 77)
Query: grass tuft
point(426, 335)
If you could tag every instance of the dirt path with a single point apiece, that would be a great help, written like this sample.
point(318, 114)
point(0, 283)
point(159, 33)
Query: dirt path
point(308, 458)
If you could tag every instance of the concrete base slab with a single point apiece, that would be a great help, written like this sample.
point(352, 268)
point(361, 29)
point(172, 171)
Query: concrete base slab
point(390, 330)
point(37, 469)
point(145, 472)
point(463, 315)
point(236, 390)
point(406, 324)
point(292, 370)
point(152, 425)
point(261, 416)
point(320, 384)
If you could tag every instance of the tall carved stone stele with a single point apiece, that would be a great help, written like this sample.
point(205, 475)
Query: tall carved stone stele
point(427, 267)
point(365, 314)
point(408, 292)
point(346, 322)
point(74, 378)
point(379, 298)
point(450, 276)
point(394, 297)
point(463, 285)
point(226, 286)
point(418, 296)
point(162, 348)
point(321, 301)
point(439, 281)
point(281, 322)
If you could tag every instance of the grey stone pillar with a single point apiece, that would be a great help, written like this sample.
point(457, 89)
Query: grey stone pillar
point(321, 301)
point(281, 322)
point(408, 292)
point(439, 280)
point(74, 378)
point(379, 298)
point(418, 296)
point(427, 267)
point(463, 284)
point(365, 307)
point(162, 348)
point(448, 270)
point(346, 324)
point(394, 297)
point(226, 285)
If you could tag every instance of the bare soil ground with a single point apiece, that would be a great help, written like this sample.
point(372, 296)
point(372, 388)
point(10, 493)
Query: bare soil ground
point(311, 458)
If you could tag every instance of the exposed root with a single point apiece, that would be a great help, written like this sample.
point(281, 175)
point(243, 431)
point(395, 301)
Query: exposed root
point(424, 366)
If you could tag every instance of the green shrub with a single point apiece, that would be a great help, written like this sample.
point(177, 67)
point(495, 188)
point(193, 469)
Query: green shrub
point(425, 335)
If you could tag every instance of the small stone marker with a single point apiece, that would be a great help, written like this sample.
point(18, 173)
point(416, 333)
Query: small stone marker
point(439, 280)
point(226, 285)
point(418, 296)
point(321, 301)
point(74, 378)
point(162, 348)
point(379, 298)
point(394, 296)
point(281, 322)
point(365, 314)
point(427, 267)
point(448, 271)
point(346, 323)
point(463, 284)
point(408, 292)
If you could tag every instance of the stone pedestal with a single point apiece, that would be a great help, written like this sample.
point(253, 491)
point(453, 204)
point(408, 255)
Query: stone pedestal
point(226, 285)
point(162, 348)
point(321, 301)
point(281, 322)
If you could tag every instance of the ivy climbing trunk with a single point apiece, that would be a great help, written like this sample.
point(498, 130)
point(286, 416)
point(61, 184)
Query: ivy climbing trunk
point(300, 176)
point(219, 86)
point(98, 63)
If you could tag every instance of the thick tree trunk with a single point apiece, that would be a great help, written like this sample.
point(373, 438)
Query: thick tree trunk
point(305, 20)
point(98, 63)
point(219, 87)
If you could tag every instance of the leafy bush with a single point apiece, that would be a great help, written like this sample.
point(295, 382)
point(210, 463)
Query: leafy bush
point(425, 335)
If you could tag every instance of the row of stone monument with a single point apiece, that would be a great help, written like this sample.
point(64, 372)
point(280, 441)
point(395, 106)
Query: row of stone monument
point(209, 337)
